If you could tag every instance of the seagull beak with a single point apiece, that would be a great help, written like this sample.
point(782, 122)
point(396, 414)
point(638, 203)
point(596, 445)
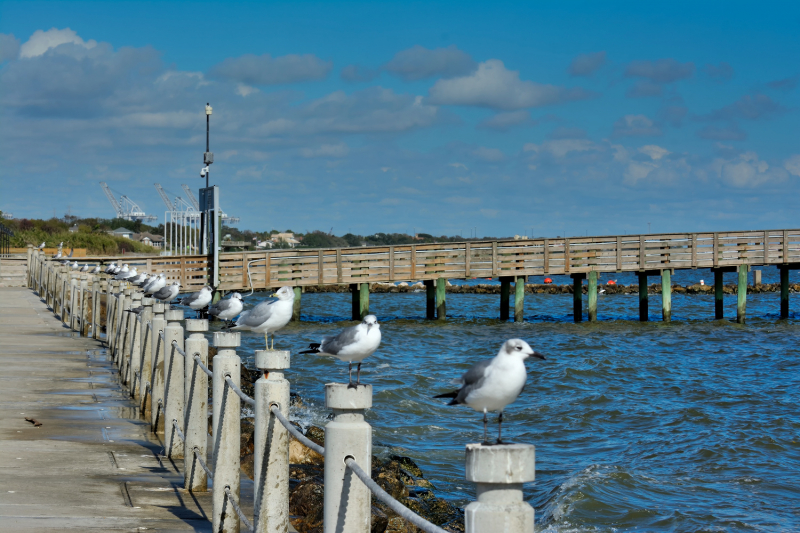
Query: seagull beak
point(538, 355)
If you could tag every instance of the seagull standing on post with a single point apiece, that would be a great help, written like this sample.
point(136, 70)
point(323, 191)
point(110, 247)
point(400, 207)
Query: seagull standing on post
point(268, 317)
point(198, 300)
point(353, 344)
point(168, 293)
point(155, 284)
point(228, 308)
point(492, 384)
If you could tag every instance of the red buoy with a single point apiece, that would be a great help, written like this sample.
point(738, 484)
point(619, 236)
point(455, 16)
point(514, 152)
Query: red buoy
point(548, 280)
point(612, 282)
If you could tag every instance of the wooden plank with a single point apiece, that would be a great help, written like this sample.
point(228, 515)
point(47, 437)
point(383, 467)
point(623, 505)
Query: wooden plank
point(785, 246)
point(467, 252)
point(413, 262)
point(391, 262)
point(642, 254)
point(566, 255)
point(320, 267)
point(546, 256)
point(494, 259)
point(338, 266)
point(694, 250)
point(716, 249)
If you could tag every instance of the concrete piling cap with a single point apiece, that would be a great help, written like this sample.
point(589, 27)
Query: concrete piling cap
point(158, 307)
point(174, 315)
point(501, 463)
point(195, 325)
point(272, 359)
point(342, 396)
point(227, 339)
point(148, 301)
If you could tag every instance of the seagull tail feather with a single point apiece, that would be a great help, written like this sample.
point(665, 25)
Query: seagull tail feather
point(312, 348)
point(452, 395)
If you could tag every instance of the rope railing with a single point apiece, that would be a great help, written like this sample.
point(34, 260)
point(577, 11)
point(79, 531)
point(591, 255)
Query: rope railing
point(308, 443)
point(178, 348)
point(235, 505)
point(245, 398)
point(401, 510)
point(203, 464)
point(178, 430)
point(204, 368)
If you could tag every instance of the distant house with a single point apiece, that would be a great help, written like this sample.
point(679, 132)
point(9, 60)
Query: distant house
point(73, 228)
point(121, 232)
point(264, 244)
point(288, 238)
point(156, 241)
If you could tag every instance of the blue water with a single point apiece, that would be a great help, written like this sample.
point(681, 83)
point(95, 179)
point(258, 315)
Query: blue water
point(687, 426)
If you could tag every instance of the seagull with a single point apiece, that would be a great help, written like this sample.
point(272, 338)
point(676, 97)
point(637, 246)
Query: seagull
point(75, 265)
point(129, 276)
point(58, 255)
point(138, 278)
point(155, 284)
point(198, 300)
point(124, 272)
point(110, 268)
point(492, 384)
point(85, 268)
point(269, 316)
point(228, 308)
point(95, 270)
point(167, 294)
point(70, 252)
point(41, 247)
point(355, 343)
point(602, 291)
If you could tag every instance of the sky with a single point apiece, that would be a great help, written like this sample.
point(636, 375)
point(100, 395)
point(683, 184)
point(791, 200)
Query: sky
point(448, 118)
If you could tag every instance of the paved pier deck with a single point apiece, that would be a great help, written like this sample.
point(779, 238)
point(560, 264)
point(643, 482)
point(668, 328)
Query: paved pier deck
point(92, 464)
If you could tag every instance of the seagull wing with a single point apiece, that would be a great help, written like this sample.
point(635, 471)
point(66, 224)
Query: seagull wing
point(219, 307)
point(162, 293)
point(333, 345)
point(257, 315)
point(472, 378)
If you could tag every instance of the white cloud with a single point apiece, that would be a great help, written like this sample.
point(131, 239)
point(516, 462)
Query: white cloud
point(251, 69)
point(327, 150)
point(747, 171)
point(492, 155)
point(561, 147)
point(245, 90)
point(9, 47)
point(494, 86)
point(654, 152)
point(635, 126)
point(793, 165)
point(458, 165)
point(419, 63)
point(42, 41)
point(506, 121)
point(637, 170)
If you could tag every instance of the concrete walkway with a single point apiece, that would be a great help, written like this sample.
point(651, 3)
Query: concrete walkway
point(92, 464)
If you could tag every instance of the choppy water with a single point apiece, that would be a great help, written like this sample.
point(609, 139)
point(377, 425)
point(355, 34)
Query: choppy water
point(688, 426)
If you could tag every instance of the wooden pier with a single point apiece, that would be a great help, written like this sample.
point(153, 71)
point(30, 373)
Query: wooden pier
point(510, 261)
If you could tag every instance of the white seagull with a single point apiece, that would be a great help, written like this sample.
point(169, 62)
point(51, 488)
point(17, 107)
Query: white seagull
point(228, 308)
point(353, 344)
point(155, 284)
point(198, 300)
point(110, 268)
point(122, 273)
point(268, 317)
point(95, 270)
point(41, 246)
point(127, 276)
point(492, 384)
point(167, 294)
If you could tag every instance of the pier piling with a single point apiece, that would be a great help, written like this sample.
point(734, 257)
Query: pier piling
point(360, 293)
point(499, 472)
point(156, 396)
point(441, 299)
point(577, 296)
point(719, 294)
point(430, 299)
point(644, 309)
point(784, 272)
point(666, 295)
point(505, 294)
point(519, 299)
point(298, 295)
point(592, 296)
point(741, 294)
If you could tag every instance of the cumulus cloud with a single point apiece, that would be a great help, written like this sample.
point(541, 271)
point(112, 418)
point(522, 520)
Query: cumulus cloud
point(491, 155)
point(419, 63)
point(660, 71)
point(749, 107)
point(786, 84)
point(730, 132)
point(793, 165)
point(587, 64)
point(635, 126)
point(721, 72)
point(746, 171)
point(494, 86)
point(358, 74)
point(673, 115)
point(9, 47)
point(654, 152)
point(506, 121)
point(251, 69)
point(42, 41)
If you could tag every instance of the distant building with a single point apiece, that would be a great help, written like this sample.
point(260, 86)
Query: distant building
point(156, 241)
point(264, 244)
point(288, 238)
point(73, 228)
point(121, 232)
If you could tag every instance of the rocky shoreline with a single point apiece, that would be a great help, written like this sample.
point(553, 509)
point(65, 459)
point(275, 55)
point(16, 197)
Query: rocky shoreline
point(396, 474)
point(535, 288)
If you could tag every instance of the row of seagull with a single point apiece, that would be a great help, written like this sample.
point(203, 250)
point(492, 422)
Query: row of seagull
point(488, 386)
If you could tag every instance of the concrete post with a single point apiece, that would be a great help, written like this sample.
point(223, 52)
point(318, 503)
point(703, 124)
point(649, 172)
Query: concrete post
point(784, 292)
point(498, 473)
point(137, 351)
point(74, 299)
point(719, 295)
point(111, 304)
point(666, 295)
point(592, 295)
point(430, 299)
point(120, 345)
point(441, 299)
point(519, 299)
point(271, 453)
point(347, 500)
point(505, 290)
point(196, 409)
point(741, 294)
point(150, 343)
point(227, 427)
point(85, 292)
point(174, 384)
point(644, 310)
point(158, 372)
point(298, 294)
point(28, 276)
point(95, 309)
point(131, 320)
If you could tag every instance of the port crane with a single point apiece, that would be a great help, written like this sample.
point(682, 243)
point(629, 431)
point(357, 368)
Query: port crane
point(125, 208)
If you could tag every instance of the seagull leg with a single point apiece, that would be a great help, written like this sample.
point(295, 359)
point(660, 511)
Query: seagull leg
point(358, 374)
point(500, 428)
point(350, 376)
point(266, 342)
point(485, 423)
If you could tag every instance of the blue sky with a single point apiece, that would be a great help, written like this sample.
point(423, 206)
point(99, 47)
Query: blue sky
point(441, 117)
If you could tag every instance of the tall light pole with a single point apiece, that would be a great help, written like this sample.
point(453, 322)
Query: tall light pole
point(208, 157)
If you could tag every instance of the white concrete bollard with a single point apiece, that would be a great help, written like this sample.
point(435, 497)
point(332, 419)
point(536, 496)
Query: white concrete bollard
point(348, 507)
point(137, 358)
point(85, 292)
point(145, 392)
point(74, 286)
point(174, 385)
point(227, 427)
point(157, 359)
point(121, 345)
point(111, 306)
point(271, 445)
point(131, 320)
point(499, 472)
point(95, 309)
point(196, 409)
